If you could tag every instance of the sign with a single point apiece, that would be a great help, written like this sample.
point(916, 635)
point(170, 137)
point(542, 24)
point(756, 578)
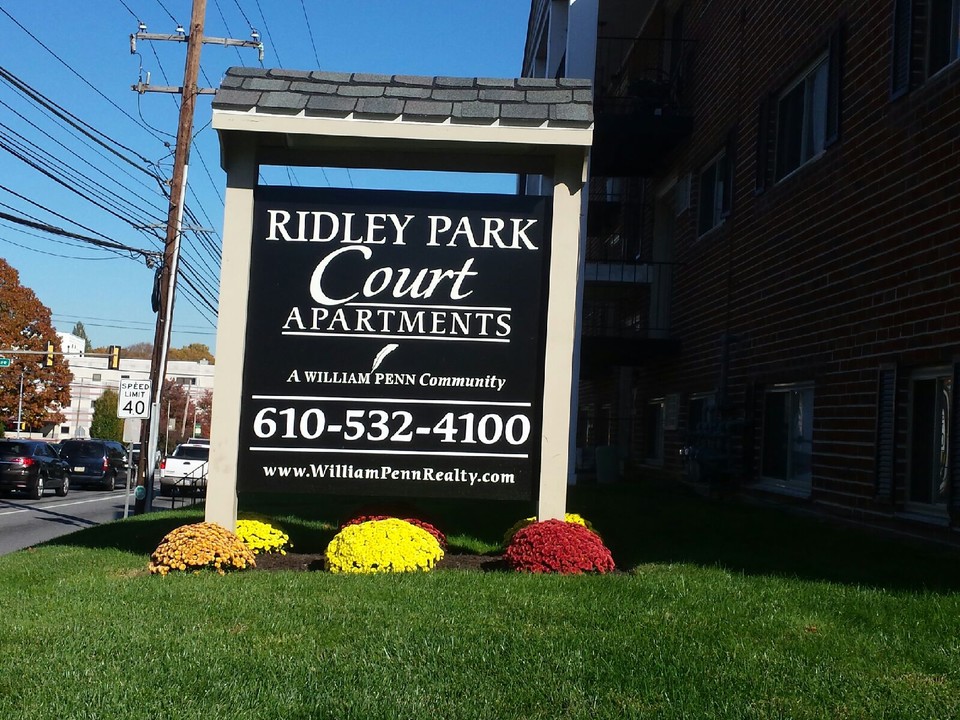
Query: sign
point(395, 343)
point(134, 401)
point(5, 362)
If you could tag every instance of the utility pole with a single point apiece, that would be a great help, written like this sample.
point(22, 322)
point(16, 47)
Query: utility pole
point(171, 248)
point(171, 255)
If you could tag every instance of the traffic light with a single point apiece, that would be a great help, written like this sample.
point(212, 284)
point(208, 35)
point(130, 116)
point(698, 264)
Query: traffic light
point(114, 362)
point(49, 361)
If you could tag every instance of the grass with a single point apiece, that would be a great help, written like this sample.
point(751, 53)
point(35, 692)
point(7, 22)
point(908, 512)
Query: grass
point(727, 611)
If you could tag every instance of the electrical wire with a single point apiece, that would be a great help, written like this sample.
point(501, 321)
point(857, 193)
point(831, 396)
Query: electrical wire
point(313, 42)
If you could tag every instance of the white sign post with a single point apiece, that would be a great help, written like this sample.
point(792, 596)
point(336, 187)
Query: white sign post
point(134, 399)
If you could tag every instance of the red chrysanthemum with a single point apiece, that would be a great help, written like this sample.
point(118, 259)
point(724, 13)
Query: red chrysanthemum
point(554, 546)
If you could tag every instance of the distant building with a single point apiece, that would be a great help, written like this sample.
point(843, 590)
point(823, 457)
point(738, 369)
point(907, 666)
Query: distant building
point(771, 296)
point(91, 378)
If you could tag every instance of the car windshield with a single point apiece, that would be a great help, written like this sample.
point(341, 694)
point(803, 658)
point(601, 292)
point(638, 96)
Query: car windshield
point(82, 450)
point(14, 448)
point(192, 452)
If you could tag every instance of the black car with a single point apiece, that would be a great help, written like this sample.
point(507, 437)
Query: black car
point(95, 462)
point(32, 466)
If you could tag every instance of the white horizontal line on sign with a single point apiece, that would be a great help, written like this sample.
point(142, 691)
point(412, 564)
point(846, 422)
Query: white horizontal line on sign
point(390, 400)
point(429, 307)
point(307, 333)
point(352, 451)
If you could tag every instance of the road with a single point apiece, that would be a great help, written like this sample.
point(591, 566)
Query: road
point(25, 522)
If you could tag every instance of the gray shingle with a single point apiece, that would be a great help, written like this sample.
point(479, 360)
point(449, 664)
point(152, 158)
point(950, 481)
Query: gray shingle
point(575, 82)
point(268, 84)
point(319, 88)
point(421, 80)
point(283, 101)
point(247, 72)
point(427, 108)
point(456, 82)
point(289, 74)
point(496, 82)
point(236, 99)
point(536, 82)
point(371, 78)
point(380, 106)
point(407, 92)
point(583, 96)
point(572, 113)
point(524, 111)
point(360, 90)
point(549, 97)
point(334, 77)
point(231, 81)
point(497, 95)
point(476, 110)
point(462, 94)
point(331, 104)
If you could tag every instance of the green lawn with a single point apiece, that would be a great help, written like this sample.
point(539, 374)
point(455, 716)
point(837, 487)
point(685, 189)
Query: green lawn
point(726, 611)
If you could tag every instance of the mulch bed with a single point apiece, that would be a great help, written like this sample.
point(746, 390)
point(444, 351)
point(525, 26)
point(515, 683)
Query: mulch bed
point(314, 561)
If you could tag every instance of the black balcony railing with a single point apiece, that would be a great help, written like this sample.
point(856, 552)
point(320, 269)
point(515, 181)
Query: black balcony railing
point(641, 103)
point(627, 301)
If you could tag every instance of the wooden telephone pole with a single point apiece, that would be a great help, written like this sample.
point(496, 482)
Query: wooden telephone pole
point(171, 250)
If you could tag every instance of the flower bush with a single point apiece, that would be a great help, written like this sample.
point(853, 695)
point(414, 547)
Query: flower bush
point(388, 545)
point(441, 538)
point(262, 537)
point(555, 546)
point(569, 517)
point(201, 546)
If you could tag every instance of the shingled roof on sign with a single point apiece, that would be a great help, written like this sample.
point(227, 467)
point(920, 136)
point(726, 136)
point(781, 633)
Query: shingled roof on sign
point(563, 102)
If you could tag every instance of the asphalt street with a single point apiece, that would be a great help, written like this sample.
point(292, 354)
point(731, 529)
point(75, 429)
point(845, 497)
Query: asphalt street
point(25, 522)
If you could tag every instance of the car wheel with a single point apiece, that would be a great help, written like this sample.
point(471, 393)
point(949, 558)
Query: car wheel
point(36, 492)
point(64, 489)
point(109, 482)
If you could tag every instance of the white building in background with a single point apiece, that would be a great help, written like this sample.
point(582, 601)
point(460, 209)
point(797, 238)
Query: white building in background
point(91, 377)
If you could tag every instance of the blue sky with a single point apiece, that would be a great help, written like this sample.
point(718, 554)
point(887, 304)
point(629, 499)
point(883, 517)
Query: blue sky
point(87, 69)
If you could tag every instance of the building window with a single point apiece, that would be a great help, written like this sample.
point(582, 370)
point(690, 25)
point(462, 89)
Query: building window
point(714, 193)
point(97, 377)
point(926, 38)
point(802, 119)
point(788, 436)
point(185, 380)
point(653, 423)
point(64, 429)
point(930, 398)
point(942, 41)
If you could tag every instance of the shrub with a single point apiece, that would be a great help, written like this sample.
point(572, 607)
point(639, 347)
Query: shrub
point(569, 517)
point(441, 538)
point(389, 545)
point(558, 547)
point(200, 546)
point(262, 537)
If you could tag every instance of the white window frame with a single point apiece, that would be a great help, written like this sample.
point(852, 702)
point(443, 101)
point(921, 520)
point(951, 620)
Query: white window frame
point(718, 210)
point(943, 375)
point(815, 81)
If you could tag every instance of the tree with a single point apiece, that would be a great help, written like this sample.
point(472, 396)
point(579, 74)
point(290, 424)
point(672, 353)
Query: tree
point(81, 333)
point(194, 352)
point(105, 424)
point(181, 408)
point(25, 325)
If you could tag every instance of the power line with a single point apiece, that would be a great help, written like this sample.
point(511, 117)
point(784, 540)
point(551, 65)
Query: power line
point(71, 69)
point(310, 33)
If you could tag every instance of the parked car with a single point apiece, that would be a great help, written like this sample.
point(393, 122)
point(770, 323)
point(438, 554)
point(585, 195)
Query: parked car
point(32, 466)
point(95, 462)
point(184, 471)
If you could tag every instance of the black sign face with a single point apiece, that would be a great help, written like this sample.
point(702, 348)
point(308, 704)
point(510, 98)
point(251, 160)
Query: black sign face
point(395, 343)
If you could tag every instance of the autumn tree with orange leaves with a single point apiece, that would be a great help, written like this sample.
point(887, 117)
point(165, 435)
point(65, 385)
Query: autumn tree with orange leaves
point(25, 325)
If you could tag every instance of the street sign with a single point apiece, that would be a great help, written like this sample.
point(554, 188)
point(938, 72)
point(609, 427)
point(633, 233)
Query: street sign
point(5, 362)
point(134, 399)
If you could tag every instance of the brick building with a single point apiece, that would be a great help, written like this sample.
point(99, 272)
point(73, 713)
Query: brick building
point(771, 291)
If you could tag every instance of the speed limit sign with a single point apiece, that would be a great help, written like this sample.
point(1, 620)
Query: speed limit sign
point(134, 399)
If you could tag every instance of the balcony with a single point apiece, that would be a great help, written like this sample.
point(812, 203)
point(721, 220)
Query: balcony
point(641, 111)
point(626, 314)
